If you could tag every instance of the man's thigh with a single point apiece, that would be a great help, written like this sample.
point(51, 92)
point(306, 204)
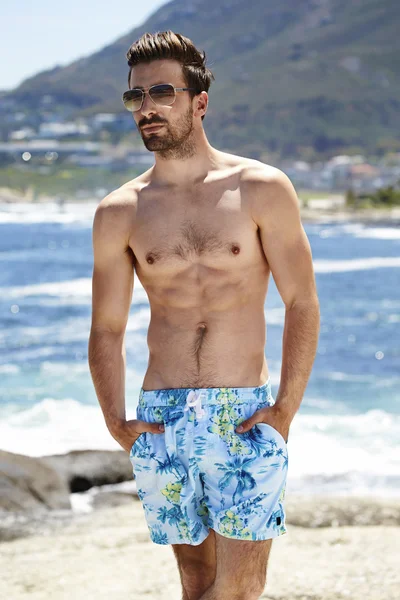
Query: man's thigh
point(222, 566)
point(241, 567)
point(197, 566)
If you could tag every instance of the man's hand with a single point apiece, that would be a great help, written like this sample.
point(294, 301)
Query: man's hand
point(272, 415)
point(129, 431)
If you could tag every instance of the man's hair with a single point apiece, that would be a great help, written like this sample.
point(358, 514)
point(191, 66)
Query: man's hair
point(167, 44)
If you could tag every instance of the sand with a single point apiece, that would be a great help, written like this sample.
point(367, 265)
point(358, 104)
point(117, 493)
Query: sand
point(107, 554)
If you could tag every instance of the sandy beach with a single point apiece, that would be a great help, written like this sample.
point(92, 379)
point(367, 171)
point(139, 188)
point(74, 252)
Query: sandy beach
point(108, 554)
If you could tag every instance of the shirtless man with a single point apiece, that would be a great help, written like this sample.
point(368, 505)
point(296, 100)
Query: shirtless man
point(203, 230)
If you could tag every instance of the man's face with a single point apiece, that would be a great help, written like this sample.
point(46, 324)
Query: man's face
point(172, 125)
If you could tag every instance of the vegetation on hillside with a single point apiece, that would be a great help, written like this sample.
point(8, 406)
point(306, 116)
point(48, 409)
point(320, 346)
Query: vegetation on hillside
point(386, 197)
point(306, 79)
point(64, 182)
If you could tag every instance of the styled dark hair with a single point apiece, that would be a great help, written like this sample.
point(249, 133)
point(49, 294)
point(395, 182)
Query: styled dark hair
point(167, 44)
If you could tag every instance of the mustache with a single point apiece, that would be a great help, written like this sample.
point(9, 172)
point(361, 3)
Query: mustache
point(153, 122)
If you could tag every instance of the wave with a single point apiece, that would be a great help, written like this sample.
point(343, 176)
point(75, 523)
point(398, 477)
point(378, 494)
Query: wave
point(65, 331)
point(321, 447)
point(9, 369)
point(70, 289)
point(379, 233)
point(51, 212)
point(356, 264)
point(32, 255)
point(357, 230)
point(76, 290)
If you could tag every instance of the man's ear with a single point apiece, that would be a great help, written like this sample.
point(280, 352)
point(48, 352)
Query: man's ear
point(201, 104)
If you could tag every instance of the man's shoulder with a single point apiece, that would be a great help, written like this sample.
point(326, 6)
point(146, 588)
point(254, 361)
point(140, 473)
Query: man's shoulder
point(256, 172)
point(124, 199)
point(253, 171)
point(266, 188)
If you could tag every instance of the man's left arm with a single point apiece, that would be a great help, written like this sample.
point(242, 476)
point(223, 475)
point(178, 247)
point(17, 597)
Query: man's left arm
point(275, 209)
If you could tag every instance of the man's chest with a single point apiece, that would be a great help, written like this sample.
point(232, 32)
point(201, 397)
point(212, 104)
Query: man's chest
point(214, 230)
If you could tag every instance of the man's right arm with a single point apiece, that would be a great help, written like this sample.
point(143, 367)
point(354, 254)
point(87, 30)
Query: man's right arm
point(112, 289)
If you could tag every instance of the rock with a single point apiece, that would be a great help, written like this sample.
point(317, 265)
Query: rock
point(108, 499)
point(83, 469)
point(14, 525)
point(343, 511)
point(28, 483)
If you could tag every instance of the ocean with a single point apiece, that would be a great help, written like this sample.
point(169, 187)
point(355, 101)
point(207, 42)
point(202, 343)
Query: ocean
point(343, 440)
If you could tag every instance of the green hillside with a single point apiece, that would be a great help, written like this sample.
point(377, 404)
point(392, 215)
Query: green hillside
point(295, 78)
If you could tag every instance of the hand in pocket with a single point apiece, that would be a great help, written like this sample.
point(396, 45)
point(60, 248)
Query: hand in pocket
point(132, 429)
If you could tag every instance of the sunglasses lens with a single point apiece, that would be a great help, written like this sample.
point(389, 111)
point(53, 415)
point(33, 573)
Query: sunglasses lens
point(132, 100)
point(163, 94)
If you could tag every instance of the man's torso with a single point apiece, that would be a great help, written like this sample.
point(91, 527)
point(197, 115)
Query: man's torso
point(198, 254)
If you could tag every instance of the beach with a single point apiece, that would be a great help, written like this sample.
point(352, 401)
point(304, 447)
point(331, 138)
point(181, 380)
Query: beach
point(108, 554)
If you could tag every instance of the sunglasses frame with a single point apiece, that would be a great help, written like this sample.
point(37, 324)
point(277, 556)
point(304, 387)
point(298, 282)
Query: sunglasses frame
point(147, 91)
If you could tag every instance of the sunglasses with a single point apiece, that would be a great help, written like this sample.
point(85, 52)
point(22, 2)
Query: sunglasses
point(162, 94)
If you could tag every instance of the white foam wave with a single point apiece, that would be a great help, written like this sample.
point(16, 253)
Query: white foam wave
point(50, 212)
point(359, 230)
point(379, 233)
point(41, 254)
point(275, 316)
point(73, 287)
point(70, 289)
point(57, 426)
point(356, 264)
point(328, 446)
point(9, 369)
point(62, 332)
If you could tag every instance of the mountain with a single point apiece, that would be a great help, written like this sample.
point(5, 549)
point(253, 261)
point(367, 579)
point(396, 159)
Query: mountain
point(294, 78)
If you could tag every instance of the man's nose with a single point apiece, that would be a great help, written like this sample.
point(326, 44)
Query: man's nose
point(148, 106)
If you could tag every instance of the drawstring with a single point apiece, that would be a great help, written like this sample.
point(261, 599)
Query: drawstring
point(196, 403)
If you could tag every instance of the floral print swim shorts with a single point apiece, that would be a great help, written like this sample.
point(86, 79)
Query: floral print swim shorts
point(200, 474)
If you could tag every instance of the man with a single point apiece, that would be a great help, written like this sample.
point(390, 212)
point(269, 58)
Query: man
point(203, 230)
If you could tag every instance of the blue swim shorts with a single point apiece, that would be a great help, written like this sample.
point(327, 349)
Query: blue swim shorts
point(201, 474)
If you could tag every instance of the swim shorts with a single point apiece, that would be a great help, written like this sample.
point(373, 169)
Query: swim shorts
point(200, 474)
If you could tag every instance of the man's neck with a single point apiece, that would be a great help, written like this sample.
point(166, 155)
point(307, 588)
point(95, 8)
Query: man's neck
point(185, 172)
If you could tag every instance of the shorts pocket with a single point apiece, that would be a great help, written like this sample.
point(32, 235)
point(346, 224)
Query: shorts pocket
point(269, 429)
point(138, 445)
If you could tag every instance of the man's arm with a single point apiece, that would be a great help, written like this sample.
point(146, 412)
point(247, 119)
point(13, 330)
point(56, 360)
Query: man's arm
point(275, 209)
point(112, 289)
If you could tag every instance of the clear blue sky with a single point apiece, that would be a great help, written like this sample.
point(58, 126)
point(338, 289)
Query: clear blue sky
point(39, 34)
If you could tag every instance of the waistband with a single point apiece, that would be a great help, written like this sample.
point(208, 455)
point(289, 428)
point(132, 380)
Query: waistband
point(216, 395)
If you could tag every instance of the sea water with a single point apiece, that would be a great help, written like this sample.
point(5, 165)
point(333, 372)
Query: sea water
point(344, 438)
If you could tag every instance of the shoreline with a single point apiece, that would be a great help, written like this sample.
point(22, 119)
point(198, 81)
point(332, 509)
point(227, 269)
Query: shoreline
point(327, 212)
point(366, 216)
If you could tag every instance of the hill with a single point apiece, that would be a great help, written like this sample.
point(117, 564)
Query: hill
point(294, 78)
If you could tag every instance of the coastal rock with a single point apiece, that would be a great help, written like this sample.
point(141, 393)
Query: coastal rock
point(28, 483)
point(83, 469)
point(107, 499)
point(342, 511)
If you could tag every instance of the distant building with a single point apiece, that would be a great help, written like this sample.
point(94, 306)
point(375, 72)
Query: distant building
point(60, 130)
point(27, 133)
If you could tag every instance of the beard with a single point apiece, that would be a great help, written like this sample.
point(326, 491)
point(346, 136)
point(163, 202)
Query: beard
point(175, 141)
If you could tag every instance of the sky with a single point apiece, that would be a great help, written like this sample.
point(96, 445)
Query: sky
point(40, 34)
